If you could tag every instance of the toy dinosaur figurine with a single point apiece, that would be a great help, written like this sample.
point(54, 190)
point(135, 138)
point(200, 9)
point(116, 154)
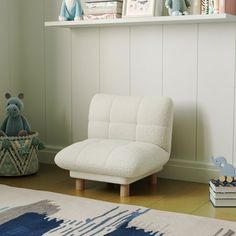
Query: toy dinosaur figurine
point(14, 124)
point(177, 7)
point(227, 171)
point(71, 10)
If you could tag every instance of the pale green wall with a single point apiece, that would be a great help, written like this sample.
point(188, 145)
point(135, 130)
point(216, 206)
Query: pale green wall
point(9, 50)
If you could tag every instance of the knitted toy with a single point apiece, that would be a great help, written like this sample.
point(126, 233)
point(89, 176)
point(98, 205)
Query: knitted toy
point(177, 7)
point(71, 10)
point(14, 124)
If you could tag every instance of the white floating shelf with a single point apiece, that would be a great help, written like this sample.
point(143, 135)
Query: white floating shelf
point(214, 18)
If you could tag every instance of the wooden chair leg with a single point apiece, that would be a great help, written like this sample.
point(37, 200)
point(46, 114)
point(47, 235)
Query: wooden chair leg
point(124, 190)
point(154, 179)
point(80, 183)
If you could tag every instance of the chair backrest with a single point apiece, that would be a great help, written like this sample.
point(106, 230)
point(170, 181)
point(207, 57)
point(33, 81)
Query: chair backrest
point(144, 119)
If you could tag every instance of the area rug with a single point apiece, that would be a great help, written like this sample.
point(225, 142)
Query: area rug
point(26, 212)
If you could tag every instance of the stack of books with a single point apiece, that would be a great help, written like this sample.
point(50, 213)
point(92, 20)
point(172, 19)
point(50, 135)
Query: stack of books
point(102, 9)
point(218, 6)
point(222, 194)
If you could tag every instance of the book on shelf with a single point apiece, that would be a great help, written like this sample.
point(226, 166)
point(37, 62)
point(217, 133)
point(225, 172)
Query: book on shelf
point(222, 187)
point(220, 195)
point(96, 1)
point(204, 7)
point(213, 6)
point(98, 11)
point(104, 9)
point(111, 4)
point(227, 6)
point(195, 7)
point(102, 16)
point(218, 6)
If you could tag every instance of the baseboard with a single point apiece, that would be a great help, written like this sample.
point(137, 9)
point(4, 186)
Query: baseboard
point(180, 169)
point(48, 154)
point(193, 171)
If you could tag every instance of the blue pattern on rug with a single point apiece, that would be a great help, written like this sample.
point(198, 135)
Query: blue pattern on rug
point(37, 219)
point(29, 224)
point(131, 231)
point(124, 229)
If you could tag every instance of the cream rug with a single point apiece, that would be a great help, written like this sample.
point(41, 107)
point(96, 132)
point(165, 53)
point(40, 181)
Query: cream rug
point(26, 212)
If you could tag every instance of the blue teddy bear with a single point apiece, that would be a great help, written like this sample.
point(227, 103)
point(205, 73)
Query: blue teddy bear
point(14, 124)
point(71, 10)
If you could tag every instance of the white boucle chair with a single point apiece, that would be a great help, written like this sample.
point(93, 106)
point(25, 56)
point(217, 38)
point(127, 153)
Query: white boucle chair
point(129, 138)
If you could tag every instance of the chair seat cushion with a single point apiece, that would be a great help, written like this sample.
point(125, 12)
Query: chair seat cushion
point(112, 157)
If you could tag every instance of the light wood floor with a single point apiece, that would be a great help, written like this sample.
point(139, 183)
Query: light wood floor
point(169, 195)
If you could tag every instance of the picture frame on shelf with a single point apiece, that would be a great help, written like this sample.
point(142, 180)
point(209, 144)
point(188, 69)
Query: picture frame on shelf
point(138, 8)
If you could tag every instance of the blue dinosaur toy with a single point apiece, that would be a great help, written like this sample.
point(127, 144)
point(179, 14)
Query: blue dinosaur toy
point(227, 171)
point(14, 124)
point(71, 10)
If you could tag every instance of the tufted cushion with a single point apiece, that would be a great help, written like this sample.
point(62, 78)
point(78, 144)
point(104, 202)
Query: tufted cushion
point(112, 157)
point(142, 119)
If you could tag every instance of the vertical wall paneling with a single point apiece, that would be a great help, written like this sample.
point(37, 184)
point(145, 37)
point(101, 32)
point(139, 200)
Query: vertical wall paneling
point(179, 82)
point(114, 60)
point(85, 77)
point(234, 125)
point(4, 55)
point(58, 80)
point(146, 60)
point(216, 69)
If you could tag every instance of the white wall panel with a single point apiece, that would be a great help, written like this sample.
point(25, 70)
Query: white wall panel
point(146, 60)
point(215, 90)
point(179, 82)
point(114, 60)
point(85, 77)
point(234, 125)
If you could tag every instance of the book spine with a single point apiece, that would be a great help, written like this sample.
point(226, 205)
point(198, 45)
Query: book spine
point(204, 7)
point(227, 6)
point(102, 11)
point(213, 6)
point(100, 1)
point(102, 16)
point(216, 6)
point(221, 6)
point(196, 7)
point(103, 4)
point(222, 195)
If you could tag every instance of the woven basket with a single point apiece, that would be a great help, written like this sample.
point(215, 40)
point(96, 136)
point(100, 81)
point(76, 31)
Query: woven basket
point(18, 155)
